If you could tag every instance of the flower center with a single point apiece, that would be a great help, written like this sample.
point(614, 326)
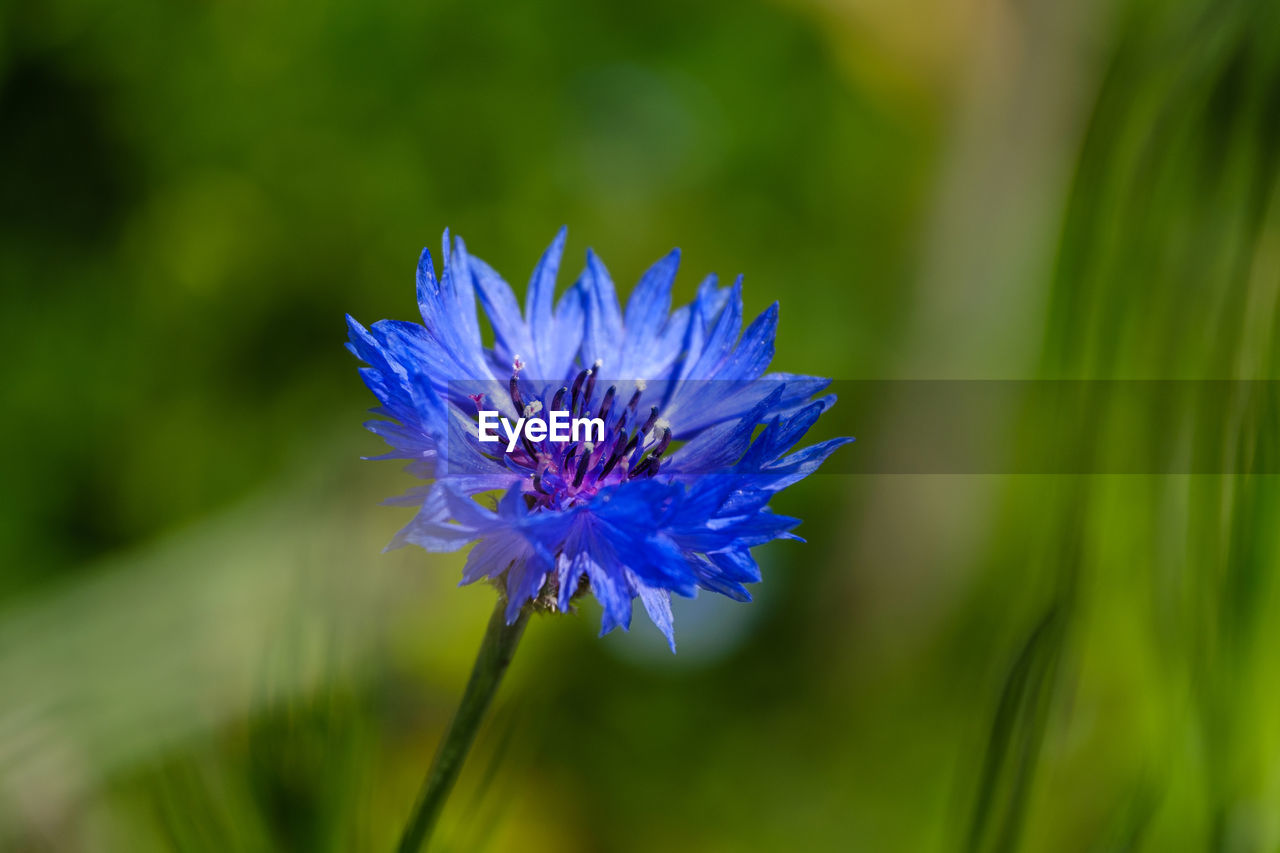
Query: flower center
point(561, 473)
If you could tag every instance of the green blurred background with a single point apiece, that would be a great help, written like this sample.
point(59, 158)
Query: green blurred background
point(202, 647)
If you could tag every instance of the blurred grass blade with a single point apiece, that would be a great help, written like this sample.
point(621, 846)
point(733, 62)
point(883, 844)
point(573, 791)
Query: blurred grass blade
point(1017, 732)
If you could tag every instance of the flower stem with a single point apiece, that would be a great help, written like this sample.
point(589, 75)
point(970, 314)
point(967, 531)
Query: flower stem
point(496, 651)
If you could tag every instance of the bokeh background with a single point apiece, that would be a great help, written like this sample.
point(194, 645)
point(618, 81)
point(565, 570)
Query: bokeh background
point(202, 646)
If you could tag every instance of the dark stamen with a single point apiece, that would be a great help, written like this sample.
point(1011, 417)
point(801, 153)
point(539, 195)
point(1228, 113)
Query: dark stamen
point(662, 443)
point(608, 401)
point(643, 431)
point(577, 387)
point(583, 464)
point(649, 422)
point(648, 467)
point(650, 463)
point(558, 399)
point(516, 399)
point(591, 387)
point(608, 466)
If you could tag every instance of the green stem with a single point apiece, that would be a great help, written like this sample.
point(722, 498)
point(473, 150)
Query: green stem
point(496, 651)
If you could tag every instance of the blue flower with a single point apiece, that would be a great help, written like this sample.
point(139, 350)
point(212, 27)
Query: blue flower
point(671, 496)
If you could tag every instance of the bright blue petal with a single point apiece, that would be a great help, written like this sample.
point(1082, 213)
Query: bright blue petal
point(511, 335)
point(603, 331)
point(647, 312)
point(657, 604)
point(538, 307)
